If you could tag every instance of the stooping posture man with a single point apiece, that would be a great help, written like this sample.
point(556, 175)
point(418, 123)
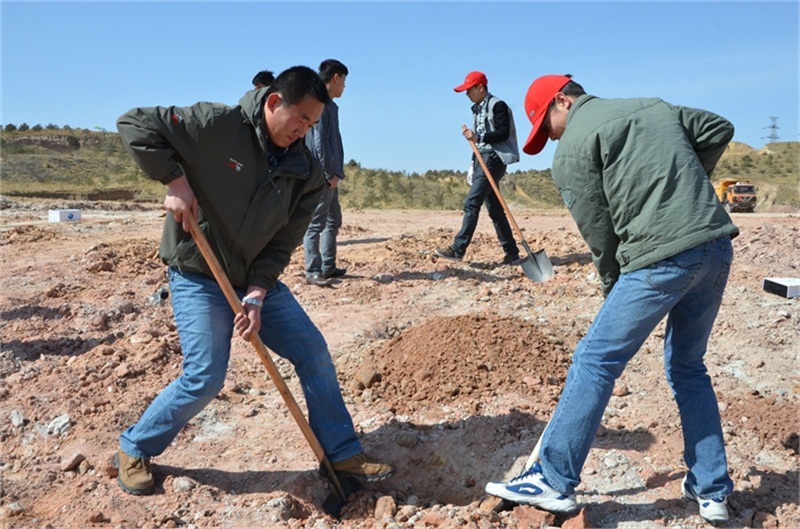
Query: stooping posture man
point(245, 174)
point(495, 136)
point(634, 174)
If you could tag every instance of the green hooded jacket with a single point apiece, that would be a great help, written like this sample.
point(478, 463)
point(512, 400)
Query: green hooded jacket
point(634, 174)
point(253, 212)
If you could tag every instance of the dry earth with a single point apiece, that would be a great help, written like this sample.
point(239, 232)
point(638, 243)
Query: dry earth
point(451, 370)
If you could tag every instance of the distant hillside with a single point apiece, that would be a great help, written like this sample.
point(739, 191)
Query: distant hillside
point(775, 169)
point(94, 165)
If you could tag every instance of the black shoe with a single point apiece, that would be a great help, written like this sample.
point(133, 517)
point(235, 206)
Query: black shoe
point(447, 253)
point(510, 258)
point(336, 272)
point(318, 281)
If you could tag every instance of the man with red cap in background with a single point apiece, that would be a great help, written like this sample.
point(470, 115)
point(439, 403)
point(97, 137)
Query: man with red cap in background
point(634, 174)
point(495, 136)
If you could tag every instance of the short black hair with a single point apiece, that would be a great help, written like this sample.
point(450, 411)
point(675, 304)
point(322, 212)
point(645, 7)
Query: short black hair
point(572, 88)
point(330, 67)
point(297, 82)
point(263, 78)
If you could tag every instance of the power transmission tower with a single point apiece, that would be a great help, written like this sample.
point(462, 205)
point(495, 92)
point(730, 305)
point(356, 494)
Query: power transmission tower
point(773, 130)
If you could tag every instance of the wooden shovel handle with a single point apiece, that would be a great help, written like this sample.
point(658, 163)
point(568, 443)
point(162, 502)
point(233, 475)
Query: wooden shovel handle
point(263, 353)
point(494, 185)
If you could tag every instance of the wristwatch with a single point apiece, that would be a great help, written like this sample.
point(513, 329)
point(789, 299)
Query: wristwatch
point(247, 300)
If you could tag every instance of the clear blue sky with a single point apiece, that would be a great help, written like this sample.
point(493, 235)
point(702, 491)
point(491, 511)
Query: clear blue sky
point(84, 64)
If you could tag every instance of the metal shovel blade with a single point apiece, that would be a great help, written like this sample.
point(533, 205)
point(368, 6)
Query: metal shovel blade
point(536, 266)
point(336, 500)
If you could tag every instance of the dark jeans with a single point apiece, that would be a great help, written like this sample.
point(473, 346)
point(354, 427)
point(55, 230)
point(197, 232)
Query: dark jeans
point(480, 193)
point(319, 243)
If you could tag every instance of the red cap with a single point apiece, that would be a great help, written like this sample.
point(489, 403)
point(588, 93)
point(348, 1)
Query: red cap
point(472, 79)
point(540, 94)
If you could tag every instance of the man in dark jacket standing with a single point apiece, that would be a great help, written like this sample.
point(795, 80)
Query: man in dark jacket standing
point(325, 142)
point(245, 174)
point(495, 136)
point(634, 174)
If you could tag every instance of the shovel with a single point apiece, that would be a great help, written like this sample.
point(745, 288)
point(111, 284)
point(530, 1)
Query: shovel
point(336, 500)
point(536, 266)
point(534, 457)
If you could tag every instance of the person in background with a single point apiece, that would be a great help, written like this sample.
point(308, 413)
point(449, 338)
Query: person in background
point(245, 174)
point(262, 79)
point(495, 137)
point(325, 142)
point(634, 174)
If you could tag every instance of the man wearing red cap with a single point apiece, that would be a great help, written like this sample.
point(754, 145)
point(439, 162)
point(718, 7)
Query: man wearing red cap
point(634, 174)
point(495, 137)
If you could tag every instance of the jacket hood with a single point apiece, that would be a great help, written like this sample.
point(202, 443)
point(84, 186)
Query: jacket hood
point(252, 103)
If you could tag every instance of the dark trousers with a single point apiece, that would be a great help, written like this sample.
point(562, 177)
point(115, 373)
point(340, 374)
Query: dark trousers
point(481, 193)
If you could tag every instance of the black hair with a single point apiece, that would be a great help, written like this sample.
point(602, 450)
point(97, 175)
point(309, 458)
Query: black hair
point(263, 78)
point(297, 82)
point(330, 67)
point(572, 88)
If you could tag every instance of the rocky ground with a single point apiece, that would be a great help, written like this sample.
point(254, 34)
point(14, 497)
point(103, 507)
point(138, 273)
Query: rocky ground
point(451, 370)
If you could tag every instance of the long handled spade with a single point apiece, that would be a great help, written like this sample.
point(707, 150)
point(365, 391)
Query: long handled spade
point(534, 457)
point(536, 266)
point(332, 504)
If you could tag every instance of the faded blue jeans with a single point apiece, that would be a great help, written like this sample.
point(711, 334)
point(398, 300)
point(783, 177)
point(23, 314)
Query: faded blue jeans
point(205, 326)
point(687, 288)
point(319, 243)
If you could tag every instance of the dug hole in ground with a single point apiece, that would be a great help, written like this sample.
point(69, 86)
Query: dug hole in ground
point(450, 370)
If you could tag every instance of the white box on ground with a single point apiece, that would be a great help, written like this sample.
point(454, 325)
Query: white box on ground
point(787, 287)
point(64, 215)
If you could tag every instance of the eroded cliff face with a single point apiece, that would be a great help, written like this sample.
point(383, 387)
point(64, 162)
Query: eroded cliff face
point(55, 142)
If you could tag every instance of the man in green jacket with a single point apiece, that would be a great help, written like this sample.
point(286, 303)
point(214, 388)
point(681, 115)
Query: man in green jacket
point(634, 174)
point(245, 174)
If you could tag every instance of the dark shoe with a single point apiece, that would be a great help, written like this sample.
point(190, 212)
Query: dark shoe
point(336, 272)
point(134, 475)
point(510, 258)
point(318, 281)
point(364, 468)
point(448, 253)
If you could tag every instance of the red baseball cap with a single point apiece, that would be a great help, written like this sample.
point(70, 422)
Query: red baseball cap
point(472, 79)
point(540, 94)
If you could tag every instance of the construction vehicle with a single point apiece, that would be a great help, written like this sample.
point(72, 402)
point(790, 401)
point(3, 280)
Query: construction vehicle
point(736, 195)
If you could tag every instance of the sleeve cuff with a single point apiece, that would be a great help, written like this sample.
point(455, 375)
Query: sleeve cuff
point(174, 175)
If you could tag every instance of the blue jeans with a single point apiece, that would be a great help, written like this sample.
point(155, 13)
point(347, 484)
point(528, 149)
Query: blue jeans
point(319, 243)
point(480, 193)
point(205, 326)
point(687, 288)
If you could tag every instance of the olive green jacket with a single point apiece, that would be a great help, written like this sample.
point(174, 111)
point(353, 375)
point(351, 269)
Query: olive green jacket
point(634, 174)
point(253, 214)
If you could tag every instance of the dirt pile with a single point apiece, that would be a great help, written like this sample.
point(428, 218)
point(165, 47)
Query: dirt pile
point(473, 356)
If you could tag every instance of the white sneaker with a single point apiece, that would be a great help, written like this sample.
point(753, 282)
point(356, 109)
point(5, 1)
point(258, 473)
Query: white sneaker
point(530, 488)
point(712, 511)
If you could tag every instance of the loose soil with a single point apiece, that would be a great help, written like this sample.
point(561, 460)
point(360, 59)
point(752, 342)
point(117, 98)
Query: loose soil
point(450, 370)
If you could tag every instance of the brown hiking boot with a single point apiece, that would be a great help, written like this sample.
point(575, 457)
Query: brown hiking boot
point(363, 467)
point(134, 474)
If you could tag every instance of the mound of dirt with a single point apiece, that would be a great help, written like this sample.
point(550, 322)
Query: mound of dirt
point(476, 356)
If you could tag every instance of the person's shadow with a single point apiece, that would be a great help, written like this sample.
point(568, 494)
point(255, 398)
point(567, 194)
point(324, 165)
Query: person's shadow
point(450, 462)
point(443, 463)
